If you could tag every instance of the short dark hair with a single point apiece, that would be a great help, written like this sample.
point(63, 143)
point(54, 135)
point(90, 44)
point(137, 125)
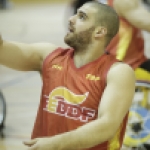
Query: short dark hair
point(107, 17)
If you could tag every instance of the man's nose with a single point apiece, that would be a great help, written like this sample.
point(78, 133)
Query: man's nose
point(72, 20)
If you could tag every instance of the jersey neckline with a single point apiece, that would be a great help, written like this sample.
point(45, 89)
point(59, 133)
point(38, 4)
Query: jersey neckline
point(86, 65)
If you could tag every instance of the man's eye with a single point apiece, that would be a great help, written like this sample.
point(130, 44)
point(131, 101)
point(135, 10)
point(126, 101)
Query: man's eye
point(81, 17)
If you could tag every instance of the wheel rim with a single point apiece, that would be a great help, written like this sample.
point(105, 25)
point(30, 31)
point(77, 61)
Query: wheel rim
point(2, 109)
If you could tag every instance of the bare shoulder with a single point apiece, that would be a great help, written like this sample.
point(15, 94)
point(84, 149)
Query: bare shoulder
point(121, 72)
point(43, 48)
point(122, 6)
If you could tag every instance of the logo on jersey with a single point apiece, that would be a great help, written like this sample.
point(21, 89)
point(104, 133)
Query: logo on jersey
point(58, 67)
point(92, 77)
point(63, 102)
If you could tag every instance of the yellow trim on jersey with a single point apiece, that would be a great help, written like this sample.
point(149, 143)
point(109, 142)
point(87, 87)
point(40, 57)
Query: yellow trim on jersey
point(142, 74)
point(114, 143)
point(125, 36)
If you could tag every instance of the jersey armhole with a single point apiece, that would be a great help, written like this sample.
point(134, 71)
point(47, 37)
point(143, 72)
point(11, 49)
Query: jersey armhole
point(106, 70)
point(51, 55)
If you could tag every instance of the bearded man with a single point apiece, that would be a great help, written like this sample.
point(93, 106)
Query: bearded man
point(86, 93)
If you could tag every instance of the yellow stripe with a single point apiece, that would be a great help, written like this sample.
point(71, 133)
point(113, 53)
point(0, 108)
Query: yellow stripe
point(129, 141)
point(125, 36)
point(114, 143)
point(142, 74)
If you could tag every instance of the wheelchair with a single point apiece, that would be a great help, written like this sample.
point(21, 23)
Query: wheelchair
point(137, 136)
point(2, 113)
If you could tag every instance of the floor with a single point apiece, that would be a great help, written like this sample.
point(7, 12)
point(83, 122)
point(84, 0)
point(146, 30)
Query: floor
point(28, 23)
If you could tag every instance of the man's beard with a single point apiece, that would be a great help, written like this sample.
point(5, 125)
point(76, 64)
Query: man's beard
point(79, 40)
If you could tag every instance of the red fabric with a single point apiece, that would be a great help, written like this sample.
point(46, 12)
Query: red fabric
point(135, 51)
point(70, 95)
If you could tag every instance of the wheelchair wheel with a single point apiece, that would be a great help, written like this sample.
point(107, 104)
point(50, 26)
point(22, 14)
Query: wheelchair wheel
point(2, 112)
point(137, 136)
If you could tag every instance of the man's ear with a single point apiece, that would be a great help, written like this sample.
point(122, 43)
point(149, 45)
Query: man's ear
point(100, 32)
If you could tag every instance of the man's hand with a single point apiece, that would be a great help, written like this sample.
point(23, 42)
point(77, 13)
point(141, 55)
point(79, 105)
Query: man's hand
point(40, 144)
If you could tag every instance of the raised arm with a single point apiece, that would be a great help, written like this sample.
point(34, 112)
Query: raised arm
point(114, 105)
point(134, 12)
point(24, 57)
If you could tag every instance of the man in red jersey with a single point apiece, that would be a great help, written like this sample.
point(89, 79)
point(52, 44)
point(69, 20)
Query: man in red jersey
point(86, 92)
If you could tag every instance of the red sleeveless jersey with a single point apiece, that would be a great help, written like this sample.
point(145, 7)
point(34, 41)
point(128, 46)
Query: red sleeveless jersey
point(128, 44)
point(71, 96)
